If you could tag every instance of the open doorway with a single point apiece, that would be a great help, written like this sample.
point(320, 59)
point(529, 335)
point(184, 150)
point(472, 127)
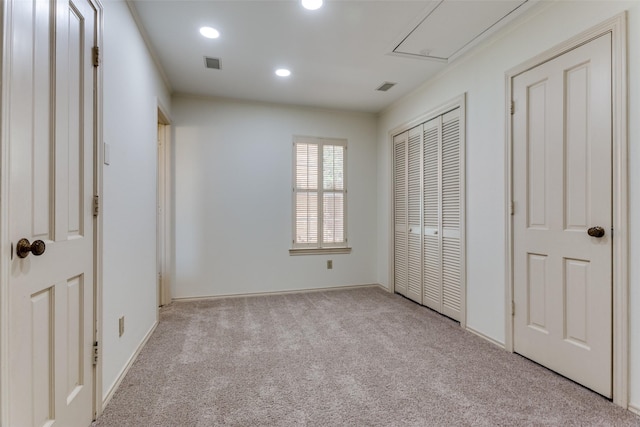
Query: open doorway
point(164, 217)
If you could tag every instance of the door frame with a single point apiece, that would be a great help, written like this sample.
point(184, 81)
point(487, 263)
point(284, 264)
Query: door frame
point(617, 26)
point(164, 228)
point(99, 158)
point(5, 244)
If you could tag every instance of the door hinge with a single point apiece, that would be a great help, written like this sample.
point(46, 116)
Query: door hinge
point(96, 205)
point(512, 208)
point(96, 56)
point(513, 308)
point(96, 352)
point(513, 107)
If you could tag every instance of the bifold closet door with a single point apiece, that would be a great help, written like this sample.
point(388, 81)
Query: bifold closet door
point(452, 222)
point(401, 256)
point(414, 201)
point(432, 283)
point(428, 214)
point(442, 214)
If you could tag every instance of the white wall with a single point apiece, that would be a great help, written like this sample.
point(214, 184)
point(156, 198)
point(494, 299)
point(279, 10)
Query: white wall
point(132, 87)
point(482, 76)
point(233, 166)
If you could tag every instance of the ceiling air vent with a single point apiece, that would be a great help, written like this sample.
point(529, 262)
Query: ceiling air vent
point(386, 86)
point(213, 63)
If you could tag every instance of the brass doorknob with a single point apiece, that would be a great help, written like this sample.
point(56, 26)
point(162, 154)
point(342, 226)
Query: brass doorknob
point(596, 231)
point(23, 248)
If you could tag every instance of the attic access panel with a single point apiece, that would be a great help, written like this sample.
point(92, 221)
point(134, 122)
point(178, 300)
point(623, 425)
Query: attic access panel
point(452, 25)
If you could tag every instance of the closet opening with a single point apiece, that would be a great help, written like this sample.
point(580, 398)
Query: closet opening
point(428, 249)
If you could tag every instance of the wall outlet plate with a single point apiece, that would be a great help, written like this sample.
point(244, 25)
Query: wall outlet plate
point(121, 325)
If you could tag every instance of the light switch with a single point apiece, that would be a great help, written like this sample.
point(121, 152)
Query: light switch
point(106, 154)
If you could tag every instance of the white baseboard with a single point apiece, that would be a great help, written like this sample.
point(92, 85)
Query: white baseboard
point(294, 291)
point(481, 335)
point(127, 366)
point(634, 408)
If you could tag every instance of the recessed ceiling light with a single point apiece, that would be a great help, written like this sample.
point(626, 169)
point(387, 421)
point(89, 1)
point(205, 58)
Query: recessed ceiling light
point(283, 72)
point(210, 33)
point(312, 4)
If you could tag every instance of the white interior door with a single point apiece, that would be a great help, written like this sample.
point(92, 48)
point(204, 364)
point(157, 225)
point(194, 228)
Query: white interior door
point(401, 227)
point(562, 187)
point(161, 298)
point(164, 214)
point(414, 214)
point(51, 134)
point(432, 279)
point(452, 214)
point(443, 214)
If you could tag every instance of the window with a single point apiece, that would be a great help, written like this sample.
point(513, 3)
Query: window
point(319, 195)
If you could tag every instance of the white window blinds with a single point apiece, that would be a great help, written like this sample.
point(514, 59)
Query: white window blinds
point(319, 192)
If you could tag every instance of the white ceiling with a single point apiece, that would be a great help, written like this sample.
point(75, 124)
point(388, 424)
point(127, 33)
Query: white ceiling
point(338, 55)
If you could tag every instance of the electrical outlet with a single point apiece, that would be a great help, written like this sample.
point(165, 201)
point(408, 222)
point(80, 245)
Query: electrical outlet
point(121, 325)
point(329, 264)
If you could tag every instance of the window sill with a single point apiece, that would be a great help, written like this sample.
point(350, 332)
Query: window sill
point(319, 251)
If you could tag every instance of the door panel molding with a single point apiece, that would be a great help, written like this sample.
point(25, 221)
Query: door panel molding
point(617, 27)
point(8, 12)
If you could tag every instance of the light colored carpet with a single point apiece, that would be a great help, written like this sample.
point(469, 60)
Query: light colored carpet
point(359, 358)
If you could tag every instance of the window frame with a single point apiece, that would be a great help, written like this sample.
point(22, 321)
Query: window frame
point(320, 247)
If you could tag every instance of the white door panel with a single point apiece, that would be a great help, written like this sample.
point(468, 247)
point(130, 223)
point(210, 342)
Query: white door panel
point(51, 136)
point(414, 285)
point(401, 224)
point(562, 187)
point(432, 260)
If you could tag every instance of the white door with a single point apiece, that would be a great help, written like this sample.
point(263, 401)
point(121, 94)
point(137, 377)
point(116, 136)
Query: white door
point(432, 279)
point(443, 214)
point(160, 295)
point(51, 133)
point(401, 228)
point(452, 214)
point(562, 188)
point(407, 189)
point(414, 214)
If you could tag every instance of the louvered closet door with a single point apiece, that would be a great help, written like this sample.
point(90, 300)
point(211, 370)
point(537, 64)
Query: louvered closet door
point(451, 214)
point(428, 197)
point(400, 185)
point(432, 276)
point(414, 199)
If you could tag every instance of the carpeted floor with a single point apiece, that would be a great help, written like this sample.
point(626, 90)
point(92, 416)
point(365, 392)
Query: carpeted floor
point(338, 358)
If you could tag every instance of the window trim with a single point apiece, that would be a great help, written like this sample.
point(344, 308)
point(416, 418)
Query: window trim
point(320, 251)
point(319, 247)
